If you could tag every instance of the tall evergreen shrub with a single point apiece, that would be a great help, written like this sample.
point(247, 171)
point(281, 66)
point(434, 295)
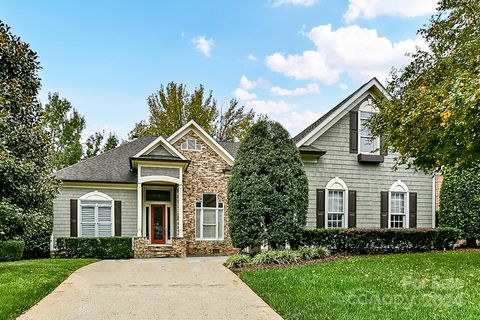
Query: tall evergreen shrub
point(268, 189)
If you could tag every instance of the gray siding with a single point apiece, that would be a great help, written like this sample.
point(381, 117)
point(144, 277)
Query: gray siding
point(159, 171)
point(160, 151)
point(367, 179)
point(61, 207)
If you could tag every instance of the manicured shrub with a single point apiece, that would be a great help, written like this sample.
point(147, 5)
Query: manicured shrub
point(276, 257)
point(36, 234)
point(238, 260)
point(366, 241)
point(11, 250)
point(101, 248)
point(460, 201)
point(328, 238)
point(268, 189)
point(308, 253)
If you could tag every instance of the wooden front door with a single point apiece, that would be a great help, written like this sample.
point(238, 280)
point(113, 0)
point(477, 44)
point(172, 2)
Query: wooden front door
point(158, 224)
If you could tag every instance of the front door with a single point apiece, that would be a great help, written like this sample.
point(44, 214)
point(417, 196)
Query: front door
point(158, 224)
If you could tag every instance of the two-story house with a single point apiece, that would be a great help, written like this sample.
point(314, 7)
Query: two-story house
point(170, 194)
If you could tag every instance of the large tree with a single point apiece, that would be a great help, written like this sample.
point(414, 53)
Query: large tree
point(172, 106)
point(268, 189)
point(27, 187)
point(97, 144)
point(433, 115)
point(65, 126)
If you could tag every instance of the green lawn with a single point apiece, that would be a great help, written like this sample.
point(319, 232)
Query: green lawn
point(404, 286)
point(24, 283)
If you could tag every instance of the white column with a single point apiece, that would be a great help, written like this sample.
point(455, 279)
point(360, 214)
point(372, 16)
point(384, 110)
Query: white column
point(139, 209)
point(180, 211)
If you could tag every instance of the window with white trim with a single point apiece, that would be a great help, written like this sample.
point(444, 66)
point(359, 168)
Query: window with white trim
point(209, 218)
point(191, 144)
point(336, 203)
point(398, 205)
point(336, 208)
point(96, 215)
point(367, 143)
point(96, 218)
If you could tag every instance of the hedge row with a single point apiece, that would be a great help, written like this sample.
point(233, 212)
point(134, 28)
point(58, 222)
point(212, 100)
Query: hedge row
point(101, 248)
point(11, 250)
point(366, 241)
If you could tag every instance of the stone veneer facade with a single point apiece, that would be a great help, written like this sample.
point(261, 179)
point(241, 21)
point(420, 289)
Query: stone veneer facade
point(205, 174)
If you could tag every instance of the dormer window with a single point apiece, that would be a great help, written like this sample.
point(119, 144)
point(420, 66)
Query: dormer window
point(367, 143)
point(191, 144)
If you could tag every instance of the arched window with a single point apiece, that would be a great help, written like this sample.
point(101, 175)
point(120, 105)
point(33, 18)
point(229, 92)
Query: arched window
point(96, 215)
point(367, 143)
point(398, 208)
point(336, 203)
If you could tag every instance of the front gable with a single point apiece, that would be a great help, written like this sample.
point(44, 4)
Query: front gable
point(203, 137)
point(312, 133)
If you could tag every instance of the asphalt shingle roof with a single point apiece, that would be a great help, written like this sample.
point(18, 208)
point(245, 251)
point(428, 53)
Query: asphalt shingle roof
point(230, 147)
point(111, 166)
point(114, 165)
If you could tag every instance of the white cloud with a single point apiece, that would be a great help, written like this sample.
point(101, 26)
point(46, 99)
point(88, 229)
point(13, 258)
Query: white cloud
point(309, 88)
point(251, 57)
point(244, 95)
point(369, 9)
point(357, 51)
point(270, 108)
point(294, 122)
point(343, 86)
point(204, 45)
point(309, 65)
point(306, 3)
point(247, 84)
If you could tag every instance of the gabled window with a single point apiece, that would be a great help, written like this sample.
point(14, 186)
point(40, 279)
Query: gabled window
point(209, 218)
point(96, 215)
point(336, 203)
point(398, 208)
point(192, 144)
point(367, 143)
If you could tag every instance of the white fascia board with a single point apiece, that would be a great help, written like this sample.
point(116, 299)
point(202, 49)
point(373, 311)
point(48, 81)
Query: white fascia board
point(192, 125)
point(338, 114)
point(155, 143)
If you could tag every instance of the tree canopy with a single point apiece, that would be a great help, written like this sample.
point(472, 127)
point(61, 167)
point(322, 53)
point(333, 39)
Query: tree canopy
point(268, 189)
point(65, 126)
point(433, 115)
point(27, 187)
point(172, 106)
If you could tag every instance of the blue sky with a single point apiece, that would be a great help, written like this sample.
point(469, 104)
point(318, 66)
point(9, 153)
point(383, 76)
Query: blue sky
point(289, 59)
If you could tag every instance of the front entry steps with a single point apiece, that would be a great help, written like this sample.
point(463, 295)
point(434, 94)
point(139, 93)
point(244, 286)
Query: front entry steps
point(159, 252)
point(143, 250)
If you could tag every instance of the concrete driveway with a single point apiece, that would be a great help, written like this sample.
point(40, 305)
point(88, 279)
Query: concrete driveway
point(188, 288)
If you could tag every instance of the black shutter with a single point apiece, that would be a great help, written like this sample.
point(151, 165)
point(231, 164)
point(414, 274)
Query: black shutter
point(353, 132)
point(320, 208)
point(352, 208)
point(412, 210)
point(382, 143)
point(73, 218)
point(383, 209)
point(118, 218)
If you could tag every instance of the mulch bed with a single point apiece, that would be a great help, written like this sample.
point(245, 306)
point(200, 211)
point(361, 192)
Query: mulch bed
point(291, 265)
point(334, 257)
